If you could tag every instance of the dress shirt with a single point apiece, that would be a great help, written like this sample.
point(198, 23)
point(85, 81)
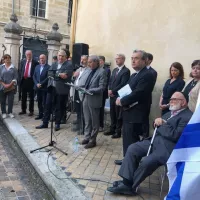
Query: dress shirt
point(119, 68)
point(29, 71)
point(41, 68)
point(80, 73)
point(59, 65)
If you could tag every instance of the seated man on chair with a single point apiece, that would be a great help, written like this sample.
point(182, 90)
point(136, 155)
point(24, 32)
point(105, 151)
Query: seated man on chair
point(169, 128)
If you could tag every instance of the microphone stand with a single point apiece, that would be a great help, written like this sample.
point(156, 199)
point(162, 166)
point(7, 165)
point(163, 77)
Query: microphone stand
point(84, 92)
point(52, 142)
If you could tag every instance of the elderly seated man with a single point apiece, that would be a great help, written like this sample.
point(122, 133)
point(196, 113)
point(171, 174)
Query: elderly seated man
point(169, 129)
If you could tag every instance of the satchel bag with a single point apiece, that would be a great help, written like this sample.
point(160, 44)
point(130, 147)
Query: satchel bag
point(9, 89)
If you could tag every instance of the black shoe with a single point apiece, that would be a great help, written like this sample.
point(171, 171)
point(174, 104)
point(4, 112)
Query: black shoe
point(57, 127)
point(117, 183)
point(30, 114)
point(42, 126)
point(22, 113)
point(118, 162)
point(108, 133)
point(101, 129)
point(38, 117)
point(84, 142)
point(63, 121)
point(90, 145)
point(116, 135)
point(122, 189)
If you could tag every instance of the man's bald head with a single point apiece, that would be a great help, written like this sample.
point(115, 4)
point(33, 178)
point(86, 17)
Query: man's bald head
point(43, 59)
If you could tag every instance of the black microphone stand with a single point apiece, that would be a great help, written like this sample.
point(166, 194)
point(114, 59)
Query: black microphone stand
point(52, 142)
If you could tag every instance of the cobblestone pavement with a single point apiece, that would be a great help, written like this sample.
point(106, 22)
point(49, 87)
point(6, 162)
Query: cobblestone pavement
point(96, 163)
point(18, 179)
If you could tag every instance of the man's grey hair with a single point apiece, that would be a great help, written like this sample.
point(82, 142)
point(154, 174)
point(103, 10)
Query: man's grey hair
point(94, 58)
point(86, 56)
point(144, 54)
point(121, 55)
point(62, 52)
point(27, 51)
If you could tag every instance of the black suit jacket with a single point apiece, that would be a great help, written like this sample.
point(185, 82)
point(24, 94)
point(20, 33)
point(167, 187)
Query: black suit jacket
point(60, 86)
point(168, 134)
point(108, 72)
point(119, 81)
point(34, 63)
point(141, 85)
point(41, 78)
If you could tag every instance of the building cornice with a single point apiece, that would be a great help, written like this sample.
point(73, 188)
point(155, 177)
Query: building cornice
point(43, 32)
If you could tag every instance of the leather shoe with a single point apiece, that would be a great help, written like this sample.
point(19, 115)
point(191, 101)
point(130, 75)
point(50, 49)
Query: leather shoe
point(38, 117)
point(22, 113)
point(30, 114)
point(57, 127)
point(108, 133)
point(122, 189)
point(90, 145)
point(42, 126)
point(101, 129)
point(116, 135)
point(84, 142)
point(117, 183)
point(118, 162)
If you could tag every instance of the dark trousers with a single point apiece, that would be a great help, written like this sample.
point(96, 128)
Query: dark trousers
point(116, 117)
point(41, 98)
point(131, 134)
point(133, 170)
point(60, 111)
point(10, 97)
point(27, 90)
point(101, 118)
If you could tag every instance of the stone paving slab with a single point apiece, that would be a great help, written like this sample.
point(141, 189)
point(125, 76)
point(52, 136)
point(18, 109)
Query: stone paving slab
point(96, 163)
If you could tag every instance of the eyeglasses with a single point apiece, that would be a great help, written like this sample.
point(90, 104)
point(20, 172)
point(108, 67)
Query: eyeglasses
point(176, 99)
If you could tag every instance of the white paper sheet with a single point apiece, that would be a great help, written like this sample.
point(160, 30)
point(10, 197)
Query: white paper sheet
point(126, 90)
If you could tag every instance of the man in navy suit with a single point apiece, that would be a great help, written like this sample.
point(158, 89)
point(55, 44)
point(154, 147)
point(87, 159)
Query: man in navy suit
point(118, 79)
point(40, 78)
point(136, 104)
point(26, 83)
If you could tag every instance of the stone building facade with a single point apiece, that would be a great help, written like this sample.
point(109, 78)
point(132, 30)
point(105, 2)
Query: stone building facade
point(167, 29)
point(36, 17)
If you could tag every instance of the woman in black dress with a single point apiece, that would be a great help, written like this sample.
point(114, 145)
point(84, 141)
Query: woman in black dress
point(174, 84)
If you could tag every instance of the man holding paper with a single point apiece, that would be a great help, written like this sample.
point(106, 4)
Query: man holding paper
point(134, 100)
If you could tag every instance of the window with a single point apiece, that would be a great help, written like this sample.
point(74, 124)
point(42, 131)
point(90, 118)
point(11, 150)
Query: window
point(70, 12)
point(38, 8)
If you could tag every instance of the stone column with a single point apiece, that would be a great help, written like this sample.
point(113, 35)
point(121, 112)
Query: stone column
point(54, 38)
point(12, 39)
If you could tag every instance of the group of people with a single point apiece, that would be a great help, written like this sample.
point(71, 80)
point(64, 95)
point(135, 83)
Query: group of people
point(93, 82)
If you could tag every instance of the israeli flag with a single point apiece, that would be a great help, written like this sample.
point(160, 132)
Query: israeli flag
point(184, 162)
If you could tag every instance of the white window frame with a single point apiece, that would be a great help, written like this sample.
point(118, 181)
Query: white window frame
point(38, 3)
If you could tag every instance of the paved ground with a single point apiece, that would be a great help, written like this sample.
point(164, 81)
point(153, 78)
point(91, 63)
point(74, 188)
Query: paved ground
point(18, 179)
point(96, 163)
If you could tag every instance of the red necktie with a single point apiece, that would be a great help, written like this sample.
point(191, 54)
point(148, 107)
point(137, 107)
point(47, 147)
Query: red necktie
point(26, 70)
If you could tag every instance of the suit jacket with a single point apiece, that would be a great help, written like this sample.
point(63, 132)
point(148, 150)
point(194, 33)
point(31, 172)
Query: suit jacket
point(97, 86)
point(142, 86)
point(108, 73)
point(60, 86)
point(34, 63)
point(119, 81)
point(168, 134)
point(41, 78)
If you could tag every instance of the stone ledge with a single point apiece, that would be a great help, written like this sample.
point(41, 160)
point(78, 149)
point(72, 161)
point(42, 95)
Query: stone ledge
point(63, 189)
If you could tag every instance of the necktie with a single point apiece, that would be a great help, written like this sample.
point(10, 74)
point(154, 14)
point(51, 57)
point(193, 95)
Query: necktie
point(117, 71)
point(26, 70)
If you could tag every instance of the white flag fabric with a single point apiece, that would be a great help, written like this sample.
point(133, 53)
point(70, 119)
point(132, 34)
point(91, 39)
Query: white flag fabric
point(184, 162)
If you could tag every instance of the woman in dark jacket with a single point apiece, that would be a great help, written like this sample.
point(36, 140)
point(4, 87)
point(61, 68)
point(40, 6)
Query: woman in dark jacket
point(174, 84)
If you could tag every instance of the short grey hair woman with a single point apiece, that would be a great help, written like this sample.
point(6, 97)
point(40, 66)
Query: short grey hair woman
point(8, 82)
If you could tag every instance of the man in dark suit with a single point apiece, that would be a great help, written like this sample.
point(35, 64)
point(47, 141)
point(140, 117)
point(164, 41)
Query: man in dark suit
point(58, 91)
point(40, 79)
point(95, 84)
point(153, 71)
point(135, 105)
point(169, 129)
point(26, 83)
point(118, 79)
point(105, 92)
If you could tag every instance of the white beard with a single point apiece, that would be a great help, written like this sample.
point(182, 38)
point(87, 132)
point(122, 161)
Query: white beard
point(175, 107)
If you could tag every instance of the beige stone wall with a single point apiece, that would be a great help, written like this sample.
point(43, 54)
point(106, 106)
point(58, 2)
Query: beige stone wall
point(167, 29)
point(57, 11)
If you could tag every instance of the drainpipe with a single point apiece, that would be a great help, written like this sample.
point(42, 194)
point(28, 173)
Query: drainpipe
point(73, 24)
point(13, 6)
